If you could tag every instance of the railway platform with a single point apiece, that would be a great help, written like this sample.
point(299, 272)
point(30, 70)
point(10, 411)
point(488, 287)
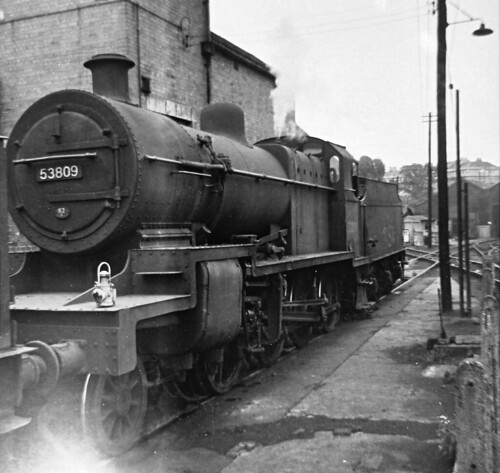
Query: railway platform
point(387, 407)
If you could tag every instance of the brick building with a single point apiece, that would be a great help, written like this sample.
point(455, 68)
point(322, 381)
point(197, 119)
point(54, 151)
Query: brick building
point(180, 65)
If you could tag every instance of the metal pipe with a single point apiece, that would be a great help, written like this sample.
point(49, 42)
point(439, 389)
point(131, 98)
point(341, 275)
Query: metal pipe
point(208, 167)
point(459, 210)
point(54, 157)
point(138, 53)
point(442, 168)
point(41, 370)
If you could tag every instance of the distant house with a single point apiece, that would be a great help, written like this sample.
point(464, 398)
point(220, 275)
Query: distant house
point(416, 230)
point(479, 172)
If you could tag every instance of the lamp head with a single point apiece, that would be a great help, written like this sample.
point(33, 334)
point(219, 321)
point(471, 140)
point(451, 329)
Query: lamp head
point(482, 31)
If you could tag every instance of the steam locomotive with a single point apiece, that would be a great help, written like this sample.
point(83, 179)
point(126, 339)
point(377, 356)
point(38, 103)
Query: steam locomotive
point(168, 255)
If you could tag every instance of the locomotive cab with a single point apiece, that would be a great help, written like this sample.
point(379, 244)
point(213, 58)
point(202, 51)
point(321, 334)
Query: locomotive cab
point(341, 168)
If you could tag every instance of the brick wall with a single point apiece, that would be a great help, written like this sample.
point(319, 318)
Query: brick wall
point(45, 43)
point(18, 243)
point(170, 52)
point(43, 52)
point(237, 83)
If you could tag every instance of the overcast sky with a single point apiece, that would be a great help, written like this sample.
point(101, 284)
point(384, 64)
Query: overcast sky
point(363, 73)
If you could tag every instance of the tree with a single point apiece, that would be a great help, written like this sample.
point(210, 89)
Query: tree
point(379, 168)
point(413, 182)
point(371, 168)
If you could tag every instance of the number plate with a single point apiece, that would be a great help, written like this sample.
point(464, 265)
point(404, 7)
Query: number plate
point(58, 173)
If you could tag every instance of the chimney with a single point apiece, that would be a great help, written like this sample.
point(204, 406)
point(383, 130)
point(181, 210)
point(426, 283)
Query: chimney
point(110, 75)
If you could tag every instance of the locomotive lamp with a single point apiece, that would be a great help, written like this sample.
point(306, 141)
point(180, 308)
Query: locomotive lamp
point(104, 292)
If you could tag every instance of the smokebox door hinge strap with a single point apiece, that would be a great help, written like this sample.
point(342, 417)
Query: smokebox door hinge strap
point(57, 125)
point(116, 155)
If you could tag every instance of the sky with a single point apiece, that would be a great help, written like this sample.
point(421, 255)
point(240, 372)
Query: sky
point(363, 73)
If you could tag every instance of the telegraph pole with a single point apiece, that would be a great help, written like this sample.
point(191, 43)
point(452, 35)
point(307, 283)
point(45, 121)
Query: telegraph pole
point(430, 119)
point(459, 209)
point(467, 247)
point(442, 166)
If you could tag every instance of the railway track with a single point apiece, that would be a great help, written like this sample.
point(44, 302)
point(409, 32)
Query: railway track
point(420, 259)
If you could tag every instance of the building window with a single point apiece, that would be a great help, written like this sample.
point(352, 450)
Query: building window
point(145, 85)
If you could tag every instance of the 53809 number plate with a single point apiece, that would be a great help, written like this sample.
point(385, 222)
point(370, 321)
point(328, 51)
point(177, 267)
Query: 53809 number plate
point(58, 173)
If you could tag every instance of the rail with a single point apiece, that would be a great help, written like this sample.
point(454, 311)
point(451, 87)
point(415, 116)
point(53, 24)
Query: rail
point(197, 168)
point(53, 157)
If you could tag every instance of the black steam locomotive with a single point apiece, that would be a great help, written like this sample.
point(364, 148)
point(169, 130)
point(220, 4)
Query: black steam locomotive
point(170, 254)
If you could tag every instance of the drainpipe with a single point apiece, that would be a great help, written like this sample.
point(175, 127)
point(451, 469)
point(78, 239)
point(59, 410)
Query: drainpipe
point(207, 51)
point(138, 53)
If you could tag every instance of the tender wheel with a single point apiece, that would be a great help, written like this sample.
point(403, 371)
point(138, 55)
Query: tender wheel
point(220, 377)
point(113, 410)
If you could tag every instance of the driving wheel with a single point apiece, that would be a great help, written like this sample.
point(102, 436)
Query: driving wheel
point(331, 313)
point(219, 377)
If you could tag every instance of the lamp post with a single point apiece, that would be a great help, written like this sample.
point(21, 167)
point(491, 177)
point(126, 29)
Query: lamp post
point(442, 165)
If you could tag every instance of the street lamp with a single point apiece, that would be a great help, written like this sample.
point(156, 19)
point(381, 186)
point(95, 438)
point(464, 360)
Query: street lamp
point(442, 166)
point(482, 31)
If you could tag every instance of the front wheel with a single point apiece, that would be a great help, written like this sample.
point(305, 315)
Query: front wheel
point(113, 410)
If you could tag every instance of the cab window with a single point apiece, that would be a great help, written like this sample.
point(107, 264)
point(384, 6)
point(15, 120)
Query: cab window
point(355, 183)
point(334, 169)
